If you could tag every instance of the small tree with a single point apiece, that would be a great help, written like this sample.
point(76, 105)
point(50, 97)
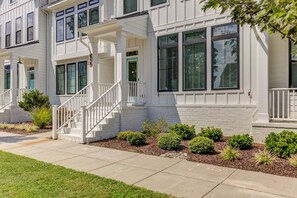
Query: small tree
point(33, 100)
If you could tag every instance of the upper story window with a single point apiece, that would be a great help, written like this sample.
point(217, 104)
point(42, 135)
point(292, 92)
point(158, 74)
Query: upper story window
point(18, 30)
point(70, 27)
point(157, 2)
point(60, 30)
point(30, 27)
point(130, 6)
point(225, 57)
point(94, 15)
point(13, 1)
point(8, 34)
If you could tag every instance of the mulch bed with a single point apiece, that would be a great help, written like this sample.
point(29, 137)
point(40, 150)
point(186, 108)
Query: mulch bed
point(25, 133)
point(246, 162)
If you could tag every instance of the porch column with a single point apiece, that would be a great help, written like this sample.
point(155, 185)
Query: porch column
point(1, 76)
point(121, 65)
point(263, 80)
point(94, 69)
point(13, 80)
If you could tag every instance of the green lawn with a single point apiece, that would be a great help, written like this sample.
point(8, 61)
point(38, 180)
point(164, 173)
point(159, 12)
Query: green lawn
point(24, 177)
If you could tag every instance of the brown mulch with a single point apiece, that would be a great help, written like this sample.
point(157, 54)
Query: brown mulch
point(246, 162)
point(25, 133)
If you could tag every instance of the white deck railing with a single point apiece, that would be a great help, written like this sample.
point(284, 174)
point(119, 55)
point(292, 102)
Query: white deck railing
point(136, 92)
point(283, 104)
point(21, 92)
point(5, 99)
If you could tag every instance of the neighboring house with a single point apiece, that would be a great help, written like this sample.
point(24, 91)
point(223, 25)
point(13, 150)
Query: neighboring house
point(111, 64)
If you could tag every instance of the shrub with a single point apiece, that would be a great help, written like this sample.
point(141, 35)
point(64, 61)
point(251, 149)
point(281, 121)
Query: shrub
point(264, 157)
point(169, 141)
point(136, 138)
point(155, 127)
point(26, 127)
point(293, 161)
point(283, 144)
point(230, 154)
point(34, 99)
point(242, 142)
point(185, 131)
point(201, 145)
point(124, 135)
point(42, 117)
point(216, 134)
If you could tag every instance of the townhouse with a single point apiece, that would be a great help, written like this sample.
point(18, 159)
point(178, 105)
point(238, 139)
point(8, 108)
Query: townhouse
point(108, 65)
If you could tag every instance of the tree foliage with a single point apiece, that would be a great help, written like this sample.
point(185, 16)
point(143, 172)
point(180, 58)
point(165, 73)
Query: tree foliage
point(274, 16)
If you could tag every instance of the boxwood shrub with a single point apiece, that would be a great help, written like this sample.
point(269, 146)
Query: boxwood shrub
point(169, 141)
point(136, 138)
point(216, 134)
point(201, 145)
point(242, 142)
point(283, 144)
point(124, 135)
point(185, 131)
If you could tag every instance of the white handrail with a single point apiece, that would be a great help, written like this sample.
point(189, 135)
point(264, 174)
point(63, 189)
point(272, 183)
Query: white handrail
point(136, 92)
point(5, 99)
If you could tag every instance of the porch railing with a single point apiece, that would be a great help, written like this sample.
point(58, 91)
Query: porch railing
point(283, 104)
point(21, 92)
point(103, 87)
point(5, 99)
point(136, 92)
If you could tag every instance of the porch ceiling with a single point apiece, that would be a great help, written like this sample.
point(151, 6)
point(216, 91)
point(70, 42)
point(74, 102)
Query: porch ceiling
point(4, 53)
point(136, 27)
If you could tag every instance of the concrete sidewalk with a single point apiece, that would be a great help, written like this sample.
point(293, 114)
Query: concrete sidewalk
point(177, 177)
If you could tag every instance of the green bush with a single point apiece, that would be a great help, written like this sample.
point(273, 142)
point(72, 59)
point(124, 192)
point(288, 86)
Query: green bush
point(155, 127)
point(242, 142)
point(42, 117)
point(230, 154)
point(185, 131)
point(33, 100)
point(216, 134)
point(264, 157)
point(169, 141)
point(136, 138)
point(201, 145)
point(283, 144)
point(124, 135)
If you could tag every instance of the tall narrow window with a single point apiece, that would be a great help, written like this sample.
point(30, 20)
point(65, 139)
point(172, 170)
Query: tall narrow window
point(225, 57)
point(168, 63)
point(60, 79)
point(18, 30)
point(82, 75)
point(7, 77)
point(69, 27)
point(8, 34)
point(130, 6)
point(30, 27)
point(82, 18)
point(94, 15)
point(157, 2)
point(71, 76)
point(194, 71)
point(0, 36)
point(293, 65)
point(60, 30)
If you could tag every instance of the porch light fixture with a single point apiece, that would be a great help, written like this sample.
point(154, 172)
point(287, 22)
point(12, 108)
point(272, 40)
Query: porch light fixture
point(20, 62)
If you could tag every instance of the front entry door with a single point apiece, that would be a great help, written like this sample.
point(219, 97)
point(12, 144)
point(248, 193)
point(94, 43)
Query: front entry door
point(132, 71)
point(31, 80)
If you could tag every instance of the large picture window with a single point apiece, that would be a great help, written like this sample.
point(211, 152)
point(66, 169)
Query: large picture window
point(69, 27)
point(94, 15)
point(82, 75)
point(130, 6)
point(18, 30)
point(60, 79)
point(225, 57)
point(30, 27)
point(168, 63)
point(60, 30)
point(157, 2)
point(194, 70)
point(8, 34)
point(293, 65)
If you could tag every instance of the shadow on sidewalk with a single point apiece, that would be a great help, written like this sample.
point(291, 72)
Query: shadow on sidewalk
point(15, 139)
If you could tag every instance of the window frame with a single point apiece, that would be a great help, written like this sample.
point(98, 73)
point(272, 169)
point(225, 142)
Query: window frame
point(222, 37)
point(30, 27)
point(166, 1)
point(189, 43)
point(177, 61)
point(18, 31)
point(58, 94)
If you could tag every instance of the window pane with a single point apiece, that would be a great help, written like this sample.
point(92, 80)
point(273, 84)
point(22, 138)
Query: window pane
point(30, 20)
point(60, 30)
point(7, 77)
point(69, 27)
point(195, 35)
point(225, 64)
point(94, 15)
point(130, 6)
point(71, 84)
point(224, 30)
point(294, 74)
point(18, 37)
point(171, 39)
point(194, 68)
point(30, 34)
point(157, 2)
point(82, 19)
point(82, 75)
point(60, 80)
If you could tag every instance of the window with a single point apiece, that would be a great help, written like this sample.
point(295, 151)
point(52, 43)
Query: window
point(225, 57)
point(82, 6)
point(8, 34)
point(13, 1)
point(94, 16)
point(60, 30)
point(194, 60)
point(69, 10)
point(93, 2)
point(130, 6)
point(60, 79)
point(82, 75)
point(7, 77)
point(157, 2)
point(30, 27)
point(293, 65)
point(168, 63)
point(18, 30)
point(82, 20)
point(69, 27)
point(71, 76)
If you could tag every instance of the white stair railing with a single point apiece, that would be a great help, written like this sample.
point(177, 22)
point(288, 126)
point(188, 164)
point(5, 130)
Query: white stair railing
point(21, 92)
point(103, 87)
point(5, 99)
point(136, 92)
point(93, 114)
